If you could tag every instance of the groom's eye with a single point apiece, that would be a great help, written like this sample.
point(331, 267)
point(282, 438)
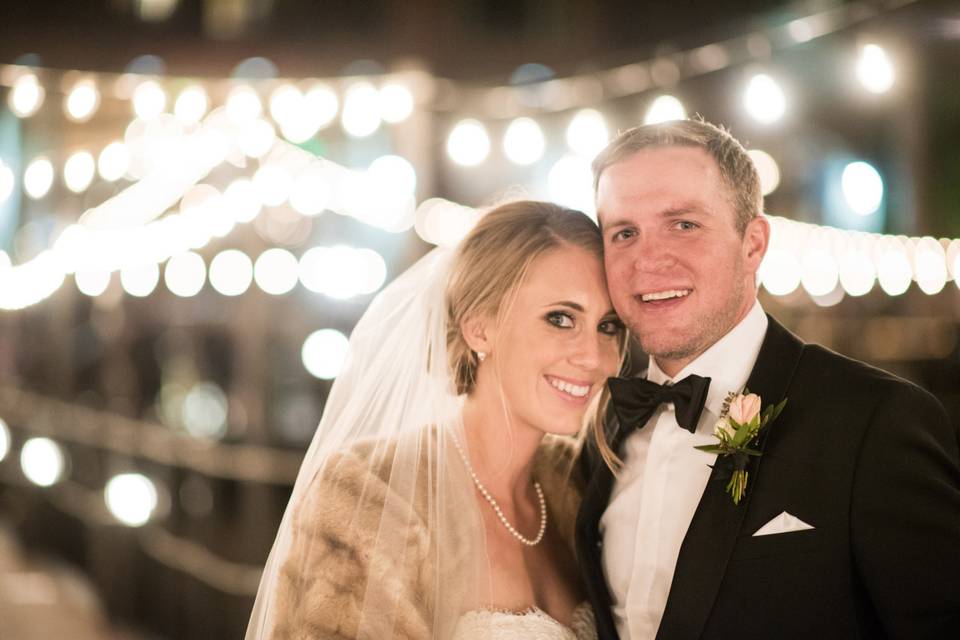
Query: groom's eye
point(623, 234)
point(611, 327)
point(686, 225)
point(560, 319)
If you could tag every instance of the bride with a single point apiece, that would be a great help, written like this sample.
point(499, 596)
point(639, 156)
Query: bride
point(437, 499)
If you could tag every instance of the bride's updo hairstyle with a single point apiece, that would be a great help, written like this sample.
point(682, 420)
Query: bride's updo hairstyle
point(491, 263)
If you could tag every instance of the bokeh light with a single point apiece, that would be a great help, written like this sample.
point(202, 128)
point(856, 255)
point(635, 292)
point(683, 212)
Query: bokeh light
point(323, 353)
point(231, 272)
point(780, 272)
point(361, 110)
point(587, 133)
point(862, 187)
point(468, 143)
point(38, 177)
point(191, 104)
point(767, 169)
point(114, 161)
point(131, 498)
point(764, 99)
point(140, 280)
point(874, 69)
point(396, 103)
point(26, 96)
point(92, 282)
point(185, 274)
point(523, 143)
point(43, 461)
point(570, 183)
point(82, 101)
point(79, 170)
point(149, 100)
point(276, 271)
point(243, 104)
point(205, 411)
point(663, 109)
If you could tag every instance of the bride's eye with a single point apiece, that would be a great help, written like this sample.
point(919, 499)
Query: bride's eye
point(560, 319)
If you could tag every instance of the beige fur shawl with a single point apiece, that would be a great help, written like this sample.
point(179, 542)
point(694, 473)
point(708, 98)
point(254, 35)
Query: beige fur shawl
point(330, 567)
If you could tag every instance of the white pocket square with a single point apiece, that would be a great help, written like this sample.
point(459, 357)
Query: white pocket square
point(783, 523)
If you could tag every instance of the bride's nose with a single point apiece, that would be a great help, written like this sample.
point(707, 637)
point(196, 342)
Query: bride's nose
point(585, 352)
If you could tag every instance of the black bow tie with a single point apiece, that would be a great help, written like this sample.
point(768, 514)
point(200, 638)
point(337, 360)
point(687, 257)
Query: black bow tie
point(635, 400)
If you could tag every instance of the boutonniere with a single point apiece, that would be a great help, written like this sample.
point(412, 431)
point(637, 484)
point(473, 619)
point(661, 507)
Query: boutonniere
point(739, 425)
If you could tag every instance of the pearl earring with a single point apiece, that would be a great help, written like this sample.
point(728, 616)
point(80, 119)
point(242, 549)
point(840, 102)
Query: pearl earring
point(481, 356)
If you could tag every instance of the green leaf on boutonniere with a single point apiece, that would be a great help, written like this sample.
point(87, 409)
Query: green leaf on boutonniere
point(733, 438)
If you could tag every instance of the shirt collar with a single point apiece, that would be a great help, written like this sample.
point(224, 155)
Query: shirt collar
point(728, 362)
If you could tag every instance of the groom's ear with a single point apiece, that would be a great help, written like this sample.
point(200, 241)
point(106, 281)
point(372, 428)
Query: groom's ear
point(756, 239)
point(477, 332)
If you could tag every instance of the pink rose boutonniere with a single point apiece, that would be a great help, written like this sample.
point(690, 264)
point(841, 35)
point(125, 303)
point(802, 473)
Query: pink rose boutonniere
point(739, 425)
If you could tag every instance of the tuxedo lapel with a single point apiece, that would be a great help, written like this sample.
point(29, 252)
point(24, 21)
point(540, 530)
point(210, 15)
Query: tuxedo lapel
point(716, 523)
point(589, 549)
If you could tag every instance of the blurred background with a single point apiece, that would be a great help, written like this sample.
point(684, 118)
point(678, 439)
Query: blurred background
point(198, 199)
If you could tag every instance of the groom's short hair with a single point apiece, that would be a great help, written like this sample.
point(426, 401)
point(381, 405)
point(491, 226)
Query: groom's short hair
point(736, 168)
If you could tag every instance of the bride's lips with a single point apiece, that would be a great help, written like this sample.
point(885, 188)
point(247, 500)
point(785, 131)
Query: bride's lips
point(575, 392)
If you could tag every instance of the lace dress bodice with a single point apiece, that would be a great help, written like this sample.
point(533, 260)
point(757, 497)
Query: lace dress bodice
point(533, 624)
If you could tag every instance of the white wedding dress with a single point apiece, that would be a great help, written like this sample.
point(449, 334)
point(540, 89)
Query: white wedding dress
point(533, 624)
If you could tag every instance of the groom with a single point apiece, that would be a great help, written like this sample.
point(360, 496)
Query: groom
point(850, 524)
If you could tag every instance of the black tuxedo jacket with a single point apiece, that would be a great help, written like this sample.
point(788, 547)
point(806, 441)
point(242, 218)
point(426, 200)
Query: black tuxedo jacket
point(870, 460)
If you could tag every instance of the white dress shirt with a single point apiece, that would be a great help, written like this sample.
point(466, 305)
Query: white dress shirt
point(663, 478)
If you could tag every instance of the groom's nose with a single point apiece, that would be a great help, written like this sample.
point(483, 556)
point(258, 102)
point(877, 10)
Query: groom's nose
point(652, 254)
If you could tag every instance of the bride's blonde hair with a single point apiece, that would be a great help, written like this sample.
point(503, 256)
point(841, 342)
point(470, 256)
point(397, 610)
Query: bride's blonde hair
point(490, 265)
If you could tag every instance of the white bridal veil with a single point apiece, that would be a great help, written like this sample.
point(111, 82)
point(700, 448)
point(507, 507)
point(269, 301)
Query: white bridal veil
point(382, 536)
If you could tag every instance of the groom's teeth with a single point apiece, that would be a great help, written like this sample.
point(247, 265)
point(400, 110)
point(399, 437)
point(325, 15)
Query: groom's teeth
point(665, 295)
point(572, 389)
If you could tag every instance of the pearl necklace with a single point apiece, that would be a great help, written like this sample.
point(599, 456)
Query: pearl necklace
point(496, 507)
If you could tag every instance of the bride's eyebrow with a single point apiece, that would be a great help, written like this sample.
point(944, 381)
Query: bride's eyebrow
point(566, 303)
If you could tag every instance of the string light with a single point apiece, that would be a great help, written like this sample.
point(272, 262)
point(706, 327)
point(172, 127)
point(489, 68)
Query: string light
point(79, 170)
point(764, 99)
point(396, 103)
point(468, 143)
point(149, 100)
point(131, 498)
point(862, 188)
point(38, 177)
point(191, 104)
point(243, 104)
point(323, 353)
point(231, 272)
point(523, 142)
point(185, 274)
point(874, 69)
point(663, 109)
point(43, 461)
point(767, 169)
point(114, 161)
point(587, 133)
point(140, 280)
point(82, 101)
point(27, 96)
point(361, 110)
point(276, 271)
point(92, 283)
